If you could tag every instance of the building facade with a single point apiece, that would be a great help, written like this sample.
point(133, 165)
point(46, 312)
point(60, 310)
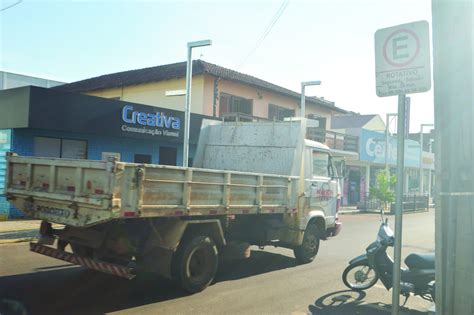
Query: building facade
point(10, 80)
point(137, 116)
point(362, 172)
point(216, 92)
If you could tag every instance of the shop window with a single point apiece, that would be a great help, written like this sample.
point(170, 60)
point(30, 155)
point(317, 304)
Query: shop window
point(234, 104)
point(73, 149)
point(279, 113)
point(168, 156)
point(60, 148)
point(142, 158)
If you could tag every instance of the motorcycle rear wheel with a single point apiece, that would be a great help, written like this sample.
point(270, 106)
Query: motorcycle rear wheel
point(359, 276)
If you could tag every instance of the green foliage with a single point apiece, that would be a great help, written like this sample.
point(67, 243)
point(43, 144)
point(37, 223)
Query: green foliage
point(384, 190)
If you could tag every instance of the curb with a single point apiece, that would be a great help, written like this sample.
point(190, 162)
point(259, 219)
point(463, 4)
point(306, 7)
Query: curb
point(17, 240)
point(19, 230)
point(358, 211)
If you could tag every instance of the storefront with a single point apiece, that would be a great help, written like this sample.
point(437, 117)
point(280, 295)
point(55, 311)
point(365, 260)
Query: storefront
point(43, 122)
point(361, 174)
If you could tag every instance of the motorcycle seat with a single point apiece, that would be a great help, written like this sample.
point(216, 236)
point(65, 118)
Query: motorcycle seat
point(420, 261)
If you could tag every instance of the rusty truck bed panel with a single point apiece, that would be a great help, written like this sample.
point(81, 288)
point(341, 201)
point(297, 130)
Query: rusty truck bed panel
point(85, 192)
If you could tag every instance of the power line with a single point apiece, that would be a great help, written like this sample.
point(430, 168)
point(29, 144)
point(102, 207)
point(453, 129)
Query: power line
point(268, 29)
point(11, 5)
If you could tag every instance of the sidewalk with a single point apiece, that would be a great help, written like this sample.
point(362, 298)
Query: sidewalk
point(14, 231)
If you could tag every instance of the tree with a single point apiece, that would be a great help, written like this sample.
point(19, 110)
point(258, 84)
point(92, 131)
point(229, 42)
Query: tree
point(384, 189)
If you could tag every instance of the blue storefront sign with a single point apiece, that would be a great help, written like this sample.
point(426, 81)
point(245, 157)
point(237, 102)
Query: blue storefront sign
point(372, 149)
point(5, 145)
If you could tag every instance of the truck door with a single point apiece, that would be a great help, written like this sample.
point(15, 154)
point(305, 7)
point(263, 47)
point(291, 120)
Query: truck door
point(323, 186)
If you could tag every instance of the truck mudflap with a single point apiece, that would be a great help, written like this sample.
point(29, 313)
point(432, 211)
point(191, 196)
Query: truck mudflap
point(335, 230)
point(113, 269)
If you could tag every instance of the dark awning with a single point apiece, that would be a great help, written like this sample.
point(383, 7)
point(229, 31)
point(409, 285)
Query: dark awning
point(40, 108)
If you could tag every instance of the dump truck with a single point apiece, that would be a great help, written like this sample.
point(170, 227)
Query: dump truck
point(252, 183)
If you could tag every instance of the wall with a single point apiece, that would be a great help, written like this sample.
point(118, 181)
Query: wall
point(375, 124)
point(10, 80)
point(261, 99)
point(154, 94)
point(203, 96)
point(22, 144)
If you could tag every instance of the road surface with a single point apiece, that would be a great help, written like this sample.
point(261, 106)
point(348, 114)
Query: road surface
point(269, 282)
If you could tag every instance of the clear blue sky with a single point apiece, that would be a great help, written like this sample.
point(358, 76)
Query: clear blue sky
point(327, 40)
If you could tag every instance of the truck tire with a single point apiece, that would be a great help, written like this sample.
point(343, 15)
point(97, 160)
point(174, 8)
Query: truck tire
point(307, 251)
point(194, 264)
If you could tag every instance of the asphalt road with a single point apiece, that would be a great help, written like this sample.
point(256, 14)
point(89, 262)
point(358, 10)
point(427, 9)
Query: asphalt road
point(269, 282)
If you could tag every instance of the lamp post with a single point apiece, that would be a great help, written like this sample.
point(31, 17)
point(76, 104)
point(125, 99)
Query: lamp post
point(429, 174)
point(421, 154)
point(303, 97)
point(387, 125)
point(187, 110)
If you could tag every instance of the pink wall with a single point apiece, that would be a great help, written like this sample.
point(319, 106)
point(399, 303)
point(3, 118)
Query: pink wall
point(261, 99)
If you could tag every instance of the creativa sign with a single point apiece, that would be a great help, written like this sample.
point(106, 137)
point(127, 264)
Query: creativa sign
point(148, 123)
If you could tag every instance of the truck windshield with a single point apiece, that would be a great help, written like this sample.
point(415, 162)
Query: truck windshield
point(320, 164)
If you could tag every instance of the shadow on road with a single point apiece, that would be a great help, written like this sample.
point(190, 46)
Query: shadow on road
point(72, 289)
point(259, 262)
point(352, 302)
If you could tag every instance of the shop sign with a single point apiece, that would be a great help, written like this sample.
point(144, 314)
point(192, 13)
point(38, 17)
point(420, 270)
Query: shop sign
point(372, 149)
point(155, 124)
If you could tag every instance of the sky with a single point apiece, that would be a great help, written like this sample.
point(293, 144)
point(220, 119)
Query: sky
point(327, 40)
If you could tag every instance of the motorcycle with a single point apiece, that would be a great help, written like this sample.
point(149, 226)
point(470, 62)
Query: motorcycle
point(365, 270)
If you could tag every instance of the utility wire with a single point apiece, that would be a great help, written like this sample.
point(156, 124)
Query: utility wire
point(11, 5)
point(268, 29)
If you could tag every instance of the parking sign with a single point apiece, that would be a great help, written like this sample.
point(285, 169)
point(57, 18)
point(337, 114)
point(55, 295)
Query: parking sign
point(402, 59)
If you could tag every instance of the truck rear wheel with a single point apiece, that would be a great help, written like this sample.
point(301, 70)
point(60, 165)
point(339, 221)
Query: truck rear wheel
point(307, 251)
point(195, 263)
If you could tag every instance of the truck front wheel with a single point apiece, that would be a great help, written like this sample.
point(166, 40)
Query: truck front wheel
point(195, 263)
point(307, 251)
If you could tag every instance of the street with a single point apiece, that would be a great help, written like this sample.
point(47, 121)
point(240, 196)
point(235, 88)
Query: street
point(268, 282)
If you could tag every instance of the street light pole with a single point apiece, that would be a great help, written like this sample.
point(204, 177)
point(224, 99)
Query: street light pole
point(421, 154)
point(303, 97)
point(187, 110)
point(387, 130)
point(429, 174)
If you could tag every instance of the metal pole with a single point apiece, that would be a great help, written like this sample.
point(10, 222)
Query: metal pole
point(421, 160)
point(303, 97)
point(387, 172)
point(429, 175)
point(303, 100)
point(187, 110)
point(399, 205)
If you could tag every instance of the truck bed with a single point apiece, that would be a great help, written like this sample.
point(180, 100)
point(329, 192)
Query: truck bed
point(84, 192)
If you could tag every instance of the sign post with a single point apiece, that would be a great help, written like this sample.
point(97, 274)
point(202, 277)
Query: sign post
point(402, 66)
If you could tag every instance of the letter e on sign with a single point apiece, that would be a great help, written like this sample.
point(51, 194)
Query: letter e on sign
point(402, 59)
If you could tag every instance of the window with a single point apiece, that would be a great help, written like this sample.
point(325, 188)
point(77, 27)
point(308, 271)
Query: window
point(168, 156)
point(279, 113)
point(234, 104)
point(142, 158)
point(60, 148)
point(321, 166)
